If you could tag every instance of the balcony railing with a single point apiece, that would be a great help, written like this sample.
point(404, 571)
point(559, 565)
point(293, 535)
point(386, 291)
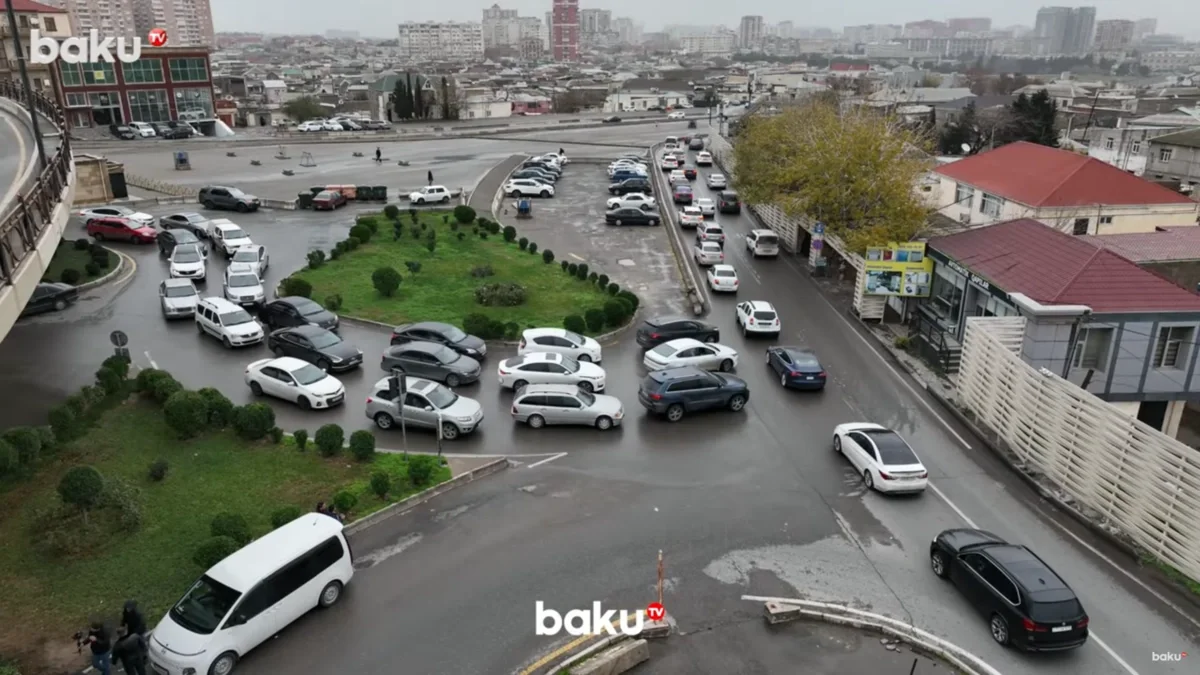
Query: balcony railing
point(34, 208)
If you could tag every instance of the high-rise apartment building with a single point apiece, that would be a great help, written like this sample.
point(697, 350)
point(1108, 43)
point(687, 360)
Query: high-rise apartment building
point(628, 31)
point(1144, 28)
point(785, 30)
point(750, 33)
point(108, 17)
point(926, 29)
point(1114, 35)
point(709, 45)
point(872, 32)
point(564, 30)
point(594, 21)
point(505, 28)
point(969, 25)
point(1065, 30)
point(187, 22)
point(441, 41)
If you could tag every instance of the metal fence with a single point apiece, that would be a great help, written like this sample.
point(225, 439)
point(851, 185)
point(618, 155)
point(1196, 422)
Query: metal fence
point(1139, 480)
point(34, 208)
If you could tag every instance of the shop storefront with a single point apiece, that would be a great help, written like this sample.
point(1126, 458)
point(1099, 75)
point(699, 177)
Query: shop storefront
point(957, 294)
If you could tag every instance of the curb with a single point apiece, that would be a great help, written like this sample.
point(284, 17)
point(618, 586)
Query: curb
point(425, 495)
point(368, 323)
point(122, 261)
point(700, 303)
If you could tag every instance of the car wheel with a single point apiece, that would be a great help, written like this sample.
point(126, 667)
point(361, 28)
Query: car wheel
point(304, 403)
point(384, 420)
point(98, 236)
point(545, 194)
point(224, 664)
point(450, 431)
point(710, 339)
point(737, 402)
point(452, 380)
point(653, 222)
point(999, 629)
point(868, 480)
point(324, 365)
point(536, 421)
point(60, 305)
point(604, 423)
point(515, 194)
point(617, 223)
point(225, 341)
point(209, 205)
point(446, 199)
point(937, 561)
point(783, 380)
point(420, 200)
point(242, 208)
point(674, 412)
point(256, 388)
point(519, 385)
point(330, 594)
point(586, 386)
point(584, 357)
point(837, 444)
point(726, 365)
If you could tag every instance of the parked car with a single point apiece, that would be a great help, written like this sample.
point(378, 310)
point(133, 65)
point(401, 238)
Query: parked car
point(630, 185)
point(883, 459)
point(715, 181)
point(253, 258)
point(539, 405)
point(633, 200)
point(172, 133)
point(527, 187)
point(168, 239)
point(123, 132)
point(632, 216)
point(676, 392)
point(430, 194)
point(722, 278)
point(536, 174)
point(123, 212)
point(558, 340)
point(192, 222)
point(188, 262)
point(328, 200)
point(227, 322)
point(297, 381)
point(611, 119)
point(311, 126)
point(797, 367)
point(143, 129)
point(691, 352)
point(1028, 605)
point(758, 316)
point(762, 243)
point(178, 298)
point(708, 253)
point(244, 288)
point(227, 237)
point(727, 202)
point(682, 194)
point(690, 217)
point(550, 368)
point(658, 330)
point(542, 165)
point(320, 347)
point(50, 297)
point(704, 159)
point(219, 197)
point(433, 361)
point(677, 115)
point(440, 333)
point(294, 310)
point(120, 229)
point(426, 404)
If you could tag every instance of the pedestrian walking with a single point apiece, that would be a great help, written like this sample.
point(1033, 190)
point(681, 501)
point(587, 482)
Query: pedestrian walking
point(378, 156)
point(130, 652)
point(99, 642)
point(431, 177)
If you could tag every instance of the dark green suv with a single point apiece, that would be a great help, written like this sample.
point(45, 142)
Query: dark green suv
point(230, 199)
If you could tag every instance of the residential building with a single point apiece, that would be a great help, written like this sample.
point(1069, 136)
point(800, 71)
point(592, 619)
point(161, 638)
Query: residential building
point(1179, 118)
point(1144, 28)
point(1127, 147)
point(750, 32)
point(1172, 252)
point(1114, 35)
point(499, 27)
point(784, 29)
point(187, 22)
point(970, 25)
point(485, 107)
point(564, 30)
point(532, 49)
point(628, 31)
point(1168, 61)
point(953, 47)
point(166, 83)
point(110, 17)
point(442, 41)
point(872, 32)
point(1122, 333)
point(1175, 157)
point(595, 21)
point(50, 21)
point(1064, 30)
point(709, 45)
point(926, 29)
point(623, 101)
point(1073, 193)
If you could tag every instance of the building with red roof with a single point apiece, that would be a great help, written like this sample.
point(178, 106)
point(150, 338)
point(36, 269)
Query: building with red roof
point(47, 20)
point(1092, 316)
point(1070, 192)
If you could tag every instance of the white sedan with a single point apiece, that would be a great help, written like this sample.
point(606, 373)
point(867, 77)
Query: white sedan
point(704, 159)
point(550, 368)
point(691, 352)
point(883, 459)
point(677, 115)
point(669, 163)
point(187, 262)
point(560, 341)
point(294, 380)
point(633, 200)
point(707, 207)
point(716, 181)
point(690, 216)
point(527, 187)
point(723, 278)
point(677, 177)
point(117, 212)
point(708, 253)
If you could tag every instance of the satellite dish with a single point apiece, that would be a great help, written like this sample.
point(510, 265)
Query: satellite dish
point(966, 147)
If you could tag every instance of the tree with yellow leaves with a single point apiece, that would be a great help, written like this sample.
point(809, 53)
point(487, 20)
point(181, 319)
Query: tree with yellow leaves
point(856, 172)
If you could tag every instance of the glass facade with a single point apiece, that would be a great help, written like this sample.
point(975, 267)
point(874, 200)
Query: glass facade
point(106, 107)
point(149, 105)
point(189, 70)
point(143, 71)
point(71, 77)
point(77, 100)
point(99, 73)
point(194, 104)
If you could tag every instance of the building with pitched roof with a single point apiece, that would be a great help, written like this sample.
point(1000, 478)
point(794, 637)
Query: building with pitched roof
point(1070, 192)
point(49, 21)
point(1094, 317)
point(1175, 157)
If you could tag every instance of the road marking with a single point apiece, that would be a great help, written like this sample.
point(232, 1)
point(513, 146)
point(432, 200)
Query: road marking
point(557, 653)
point(21, 161)
point(548, 459)
point(577, 257)
point(150, 359)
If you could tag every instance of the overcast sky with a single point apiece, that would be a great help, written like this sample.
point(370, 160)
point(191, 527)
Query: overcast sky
point(373, 18)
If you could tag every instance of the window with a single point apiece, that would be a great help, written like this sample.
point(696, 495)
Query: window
point(1081, 226)
point(963, 194)
point(149, 105)
point(77, 100)
point(998, 580)
point(194, 104)
point(1165, 154)
point(1172, 346)
point(189, 70)
point(143, 71)
point(990, 205)
point(1108, 144)
point(1091, 348)
point(70, 74)
point(1136, 147)
point(99, 73)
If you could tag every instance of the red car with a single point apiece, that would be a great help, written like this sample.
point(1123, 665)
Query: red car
point(120, 229)
point(683, 194)
point(689, 172)
point(328, 200)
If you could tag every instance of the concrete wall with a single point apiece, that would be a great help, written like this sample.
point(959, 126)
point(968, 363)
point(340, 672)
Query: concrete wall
point(93, 183)
point(1186, 273)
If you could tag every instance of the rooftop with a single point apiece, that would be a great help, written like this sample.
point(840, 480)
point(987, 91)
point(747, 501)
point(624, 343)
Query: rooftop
point(1170, 244)
point(30, 6)
point(1041, 176)
point(1187, 139)
point(1052, 267)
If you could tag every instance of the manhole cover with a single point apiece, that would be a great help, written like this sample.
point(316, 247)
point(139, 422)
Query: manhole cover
point(626, 262)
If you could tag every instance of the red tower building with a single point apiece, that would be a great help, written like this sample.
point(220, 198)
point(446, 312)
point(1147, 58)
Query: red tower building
point(564, 30)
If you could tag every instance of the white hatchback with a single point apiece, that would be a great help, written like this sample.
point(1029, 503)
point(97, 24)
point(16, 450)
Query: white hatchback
point(704, 159)
point(560, 341)
point(723, 278)
point(710, 232)
point(690, 216)
point(708, 253)
point(187, 262)
point(716, 181)
point(759, 317)
point(294, 380)
point(708, 207)
point(550, 368)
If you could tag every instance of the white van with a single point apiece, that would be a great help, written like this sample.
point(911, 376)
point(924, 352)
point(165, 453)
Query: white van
point(250, 596)
point(762, 243)
point(229, 323)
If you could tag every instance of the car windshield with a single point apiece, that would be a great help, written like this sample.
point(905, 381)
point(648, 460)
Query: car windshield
point(683, 189)
point(243, 280)
point(726, 273)
point(235, 318)
point(711, 247)
point(193, 217)
point(446, 355)
point(441, 397)
point(665, 351)
point(187, 255)
point(893, 451)
point(180, 291)
point(764, 316)
point(1055, 612)
point(309, 374)
point(325, 195)
point(453, 334)
point(245, 255)
point(573, 337)
point(234, 192)
point(308, 308)
point(587, 399)
point(201, 609)
point(122, 210)
point(324, 340)
point(235, 233)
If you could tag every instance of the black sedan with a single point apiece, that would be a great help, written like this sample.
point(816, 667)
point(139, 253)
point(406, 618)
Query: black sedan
point(631, 185)
point(192, 222)
point(50, 297)
point(442, 334)
point(655, 331)
point(325, 349)
point(632, 216)
point(167, 240)
point(296, 311)
point(797, 367)
point(612, 119)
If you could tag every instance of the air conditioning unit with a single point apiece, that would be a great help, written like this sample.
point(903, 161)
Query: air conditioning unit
point(964, 218)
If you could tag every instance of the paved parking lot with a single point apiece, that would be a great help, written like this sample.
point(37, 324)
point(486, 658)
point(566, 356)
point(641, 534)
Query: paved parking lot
point(572, 225)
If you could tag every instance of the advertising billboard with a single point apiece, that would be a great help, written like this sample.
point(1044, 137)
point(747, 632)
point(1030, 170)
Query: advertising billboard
point(900, 269)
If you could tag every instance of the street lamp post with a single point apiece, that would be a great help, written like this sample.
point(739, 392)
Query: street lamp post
point(29, 103)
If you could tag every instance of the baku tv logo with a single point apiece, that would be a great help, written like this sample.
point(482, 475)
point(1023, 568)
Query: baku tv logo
point(94, 49)
point(1168, 656)
point(580, 622)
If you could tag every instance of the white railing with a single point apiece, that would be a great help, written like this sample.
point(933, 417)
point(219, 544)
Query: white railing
point(1139, 480)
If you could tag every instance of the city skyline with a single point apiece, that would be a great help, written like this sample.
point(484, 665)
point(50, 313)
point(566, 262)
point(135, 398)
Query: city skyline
point(281, 16)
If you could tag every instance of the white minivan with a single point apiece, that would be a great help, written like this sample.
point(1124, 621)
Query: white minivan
point(762, 243)
point(252, 595)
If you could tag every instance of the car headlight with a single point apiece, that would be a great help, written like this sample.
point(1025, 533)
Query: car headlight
point(468, 418)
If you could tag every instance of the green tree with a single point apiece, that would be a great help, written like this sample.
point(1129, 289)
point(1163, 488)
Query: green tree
point(419, 111)
point(449, 106)
point(854, 172)
point(1033, 119)
point(386, 280)
point(82, 487)
point(962, 129)
point(304, 108)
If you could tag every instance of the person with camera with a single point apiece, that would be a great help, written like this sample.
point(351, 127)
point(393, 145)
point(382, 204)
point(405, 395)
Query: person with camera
point(100, 643)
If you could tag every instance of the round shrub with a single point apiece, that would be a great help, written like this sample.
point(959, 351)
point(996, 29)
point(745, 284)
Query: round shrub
point(478, 325)
point(285, 514)
point(431, 244)
point(345, 501)
point(329, 440)
point(158, 470)
point(92, 396)
point(575, 324)
point(464, 214)
point(413, 266)
point(361, 232)
point(510, 233)
point(334, 254)
point(232, 525)
point(483, 235)
point(300, 436)
point(391, 211)
point(573, 269)
point(187, 413)
point(82, 244)
point(91, 269)
point(602, 281)
point(9, 461)
point(381, 484)
point(566, 266)
point(420, 469)
point(316, 259)
point(26, 442)
point(461, 235)
point(362, 445)
point(492, 227)
point(630, 298)
point(372, 224)
point(333, 302)
point(512, 330)
point(253, 421)
point(64, 422)
point(594, 319)
point(500, 295)
point(523, 243)
point(532, 248)
point(78, 403)
point(353, 243)
point(117, 364)
point(593, 277)
point(81, 487)
point(276, 435)
point(144, 382)
point(47, 436)
point(164, 388)
point(615, 313)
point(100, 257)
point(547, 256)
point(219, 407)
point(214, 550)
point(613, 289)
point(582, 271)
point(297, 286)
point(386, 280)
point(70, 276)
point(482, 271)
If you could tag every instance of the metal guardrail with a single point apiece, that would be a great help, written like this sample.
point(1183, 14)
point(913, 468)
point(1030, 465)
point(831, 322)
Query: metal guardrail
point(34, 209)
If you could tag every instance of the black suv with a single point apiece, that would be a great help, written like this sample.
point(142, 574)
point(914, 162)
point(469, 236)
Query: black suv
point(675, 392)
point(219, 197)
point(296, 311)
point(728, 202)
point(654, 332)
point(1027, 605)
point(630, 185)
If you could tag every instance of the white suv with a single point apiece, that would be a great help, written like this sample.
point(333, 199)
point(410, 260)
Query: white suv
point(527, 187)
point(227, 322)
point(758, 316)
point(710, 232)
point(430, 194)
point(227, 237)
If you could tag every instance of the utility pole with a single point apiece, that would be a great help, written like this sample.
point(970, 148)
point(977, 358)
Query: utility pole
point(29, 101)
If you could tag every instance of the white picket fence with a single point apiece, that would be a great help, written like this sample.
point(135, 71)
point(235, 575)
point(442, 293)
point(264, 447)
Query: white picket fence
point(1141, 481)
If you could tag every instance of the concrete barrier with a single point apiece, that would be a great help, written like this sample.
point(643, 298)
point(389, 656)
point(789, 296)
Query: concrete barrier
point(695, 291)
point(617, 659)
point(282, 204)
point(425, 495)
point(569, 121)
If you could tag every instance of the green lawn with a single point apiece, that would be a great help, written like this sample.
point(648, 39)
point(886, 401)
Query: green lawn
point(212, 474)
point(68, 257)
point(444, 289)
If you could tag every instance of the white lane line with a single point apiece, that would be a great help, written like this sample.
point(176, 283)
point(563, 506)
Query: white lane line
point(577, 257)
point(150, 359)
point(548, 459)
point(22, 160)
